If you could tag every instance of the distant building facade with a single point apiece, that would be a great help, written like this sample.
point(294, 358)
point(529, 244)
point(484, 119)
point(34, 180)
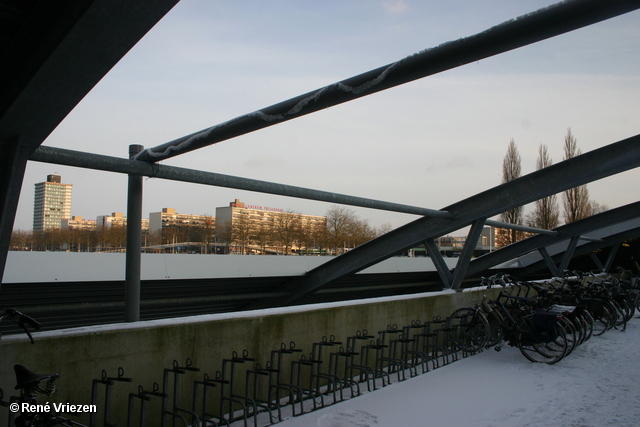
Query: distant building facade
point(78, 223)
point(240, 222)
point(169, 219)
point(116, 219)
point(239, 211)
point(453, 245)
point(51, 204)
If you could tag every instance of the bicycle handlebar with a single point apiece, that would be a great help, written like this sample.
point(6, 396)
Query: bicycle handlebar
point(22, 320)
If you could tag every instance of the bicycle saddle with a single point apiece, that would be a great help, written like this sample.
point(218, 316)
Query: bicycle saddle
point(27, 379)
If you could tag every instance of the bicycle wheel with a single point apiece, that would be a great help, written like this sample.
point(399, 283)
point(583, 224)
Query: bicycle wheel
point(469, 329)
point(541, 352)
point(603, 323)
point(572, 334)
point(587, 323)
point(495, 331)
point(616, 313)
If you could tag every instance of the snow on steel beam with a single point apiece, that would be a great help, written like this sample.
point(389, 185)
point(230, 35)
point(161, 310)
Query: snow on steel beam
point(66, 157)
point(600, 163)
point(533, 27)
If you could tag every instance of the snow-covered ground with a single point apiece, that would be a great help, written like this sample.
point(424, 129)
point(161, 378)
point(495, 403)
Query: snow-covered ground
point(597, 385)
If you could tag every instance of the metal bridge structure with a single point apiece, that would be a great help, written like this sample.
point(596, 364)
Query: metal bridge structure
point(53, 53)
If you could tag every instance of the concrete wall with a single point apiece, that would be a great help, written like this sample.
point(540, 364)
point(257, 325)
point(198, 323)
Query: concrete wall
point(144, 349)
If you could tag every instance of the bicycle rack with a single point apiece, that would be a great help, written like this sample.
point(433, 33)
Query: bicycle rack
point(176, 370)
point(390, 361)
point(297, 378)
point(265, 404)
point(207, 383)
point(455, 331)
point(108, 382)
point(347, 354)
point(276, 383)
point(365, 372)
point(413, 353)
point(334, 383)
point(144, 397)
point(444, 344)
point(249, 407)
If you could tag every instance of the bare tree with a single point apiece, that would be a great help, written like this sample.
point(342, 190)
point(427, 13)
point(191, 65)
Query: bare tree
point(546, 214)
point(360, 232)
point(242, 231)
point(575, 200)
point(339, 225)
point(596, 208)
point(203, 232)
point(511, 169)
point(286, 227)
point(312, 236)
point(263, 234)
point(384, 229)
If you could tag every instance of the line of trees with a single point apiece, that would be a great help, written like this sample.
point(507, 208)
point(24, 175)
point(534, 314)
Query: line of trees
point(72, 240)
point(546, 212)
point(285, 233)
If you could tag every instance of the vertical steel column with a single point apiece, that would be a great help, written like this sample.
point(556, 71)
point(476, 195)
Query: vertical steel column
point(134, 243)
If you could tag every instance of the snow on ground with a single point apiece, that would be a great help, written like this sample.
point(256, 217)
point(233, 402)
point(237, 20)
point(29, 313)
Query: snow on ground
point(596, 385)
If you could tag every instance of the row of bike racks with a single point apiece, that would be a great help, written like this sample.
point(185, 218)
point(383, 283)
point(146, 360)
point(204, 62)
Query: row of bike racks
point(290, 383)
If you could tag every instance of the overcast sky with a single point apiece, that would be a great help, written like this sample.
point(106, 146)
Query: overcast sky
point(428, 143)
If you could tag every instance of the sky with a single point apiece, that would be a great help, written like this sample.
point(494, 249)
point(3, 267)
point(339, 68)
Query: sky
point(428, 143)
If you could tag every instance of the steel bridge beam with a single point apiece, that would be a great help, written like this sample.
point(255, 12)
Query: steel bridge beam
point(13, 162)
point(61, 156)
point(467, 251)
point(533, 27)
point(609, 160)
point(610, 240)
point(438, 261)
point(548, 260)
point(134, 167)
point(565, 232)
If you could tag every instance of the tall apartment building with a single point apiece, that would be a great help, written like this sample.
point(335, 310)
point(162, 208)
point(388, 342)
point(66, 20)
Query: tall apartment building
point(52, 203)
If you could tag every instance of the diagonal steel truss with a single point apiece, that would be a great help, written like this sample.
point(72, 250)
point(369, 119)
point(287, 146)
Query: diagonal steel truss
point(609, 160)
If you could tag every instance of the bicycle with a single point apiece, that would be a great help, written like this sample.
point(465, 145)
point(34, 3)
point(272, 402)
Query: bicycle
point(537, 332)
point(32, 386)
point(470, 329)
